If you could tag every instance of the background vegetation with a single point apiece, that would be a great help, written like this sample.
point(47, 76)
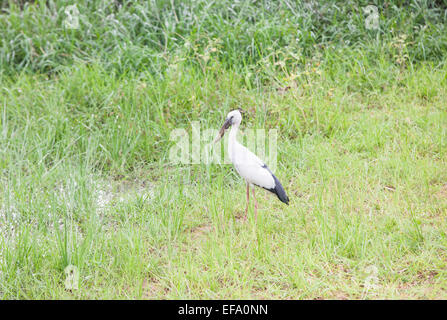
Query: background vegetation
point(86, 116)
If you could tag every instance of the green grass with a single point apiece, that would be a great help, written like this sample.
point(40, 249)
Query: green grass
point(86, 179)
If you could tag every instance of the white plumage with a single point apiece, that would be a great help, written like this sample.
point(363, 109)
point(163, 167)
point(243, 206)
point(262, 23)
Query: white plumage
point(247, 164)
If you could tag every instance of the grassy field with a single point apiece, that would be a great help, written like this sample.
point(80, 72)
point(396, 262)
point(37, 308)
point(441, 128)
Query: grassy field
point(86, 183)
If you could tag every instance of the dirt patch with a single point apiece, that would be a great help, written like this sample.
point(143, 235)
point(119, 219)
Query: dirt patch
point(200, 231)
point(240, 216)
point(153, 289)
point(423, 278)
point(442, 193)
point(426, 275)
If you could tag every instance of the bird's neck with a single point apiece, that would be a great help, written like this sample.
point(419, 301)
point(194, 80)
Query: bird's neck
point(233, 132)
point(232, 139)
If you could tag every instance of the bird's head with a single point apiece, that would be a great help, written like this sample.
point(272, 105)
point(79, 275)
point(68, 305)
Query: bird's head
point(233, 118)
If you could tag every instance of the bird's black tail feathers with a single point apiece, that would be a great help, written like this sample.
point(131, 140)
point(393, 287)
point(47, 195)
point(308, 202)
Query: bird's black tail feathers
point(278, 189)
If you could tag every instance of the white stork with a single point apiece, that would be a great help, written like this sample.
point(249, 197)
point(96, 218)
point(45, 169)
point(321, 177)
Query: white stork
point(248, 165)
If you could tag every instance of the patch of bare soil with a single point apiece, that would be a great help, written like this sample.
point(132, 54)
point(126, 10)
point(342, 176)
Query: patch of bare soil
point(200, 231)
point(153, 289)
point(240, 216)
point(442, 193)
point(424, 278)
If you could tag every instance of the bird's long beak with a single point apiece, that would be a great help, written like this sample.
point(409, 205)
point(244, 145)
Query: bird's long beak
point(225, 126)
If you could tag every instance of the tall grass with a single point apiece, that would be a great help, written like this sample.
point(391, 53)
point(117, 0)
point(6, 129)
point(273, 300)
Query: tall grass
point(128, 36)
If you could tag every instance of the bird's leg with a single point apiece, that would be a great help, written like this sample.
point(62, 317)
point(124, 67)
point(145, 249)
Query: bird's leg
point(256, 205)
point(248, 200)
